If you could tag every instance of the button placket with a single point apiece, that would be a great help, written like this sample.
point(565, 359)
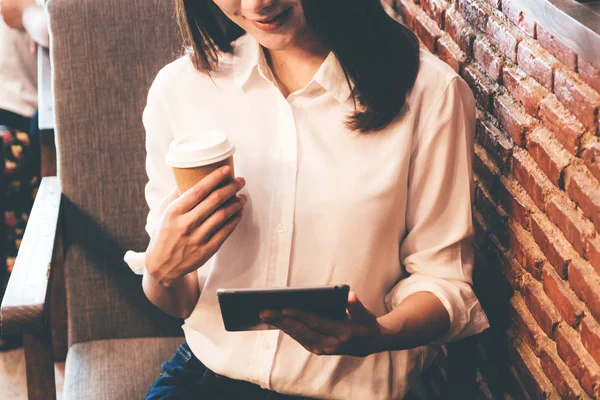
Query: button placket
point(285, 225)
point(283, 238)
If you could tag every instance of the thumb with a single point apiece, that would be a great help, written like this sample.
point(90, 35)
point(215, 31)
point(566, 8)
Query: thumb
point(358, 312)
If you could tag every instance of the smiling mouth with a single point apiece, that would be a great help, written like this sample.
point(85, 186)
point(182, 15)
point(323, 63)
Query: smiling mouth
point(274, 22)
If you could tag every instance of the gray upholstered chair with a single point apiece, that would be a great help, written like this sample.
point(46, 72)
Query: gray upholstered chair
point(105, 54)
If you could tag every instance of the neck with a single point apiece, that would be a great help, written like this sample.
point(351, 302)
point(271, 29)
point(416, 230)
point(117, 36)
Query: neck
point(293, 68)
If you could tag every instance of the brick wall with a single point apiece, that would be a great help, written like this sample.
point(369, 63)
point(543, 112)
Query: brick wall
point(537, 201)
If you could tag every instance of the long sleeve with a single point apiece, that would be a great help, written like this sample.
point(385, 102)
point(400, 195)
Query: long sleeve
point(437, 251)
point(160, 177)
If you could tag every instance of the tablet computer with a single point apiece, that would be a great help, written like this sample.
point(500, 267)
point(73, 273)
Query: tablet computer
point(240, 308)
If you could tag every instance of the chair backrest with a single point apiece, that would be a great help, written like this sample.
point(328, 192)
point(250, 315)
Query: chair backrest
point(105, 54)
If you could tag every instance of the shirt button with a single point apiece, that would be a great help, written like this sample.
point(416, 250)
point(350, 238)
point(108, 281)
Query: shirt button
point(280, 228)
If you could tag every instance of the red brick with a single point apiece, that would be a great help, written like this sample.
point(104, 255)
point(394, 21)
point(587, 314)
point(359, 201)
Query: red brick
point(509, 267)
point(541, 307)
point(498, 145)
point(492, 213)
point(526, 325)
point(513, 272)
point(515, 201)
point(578, 97)
point(567, 129)
point(585, 191)
point(530, 371)
point(488, 58)
point(409, 10)
point(525, 250)
point(536, 62)
point(557, 48)
point(484, 167)
point(589, 73)
point(585, 282)
point(593, 254)
point(567, 304)
point(473, 12)
point(591, 155)
point(570, 221)
point(459, 31)
point(549, 154)
point(482, 86)
point(577, 359)
point(450, 53)
point(524, 89)
point(560, 376)
point(436, 10)
point(590, 337)
point(515, 13)
point(553, 244)
point(503, 37)
point(427, 30)
point(529, 175)
point(512, 118)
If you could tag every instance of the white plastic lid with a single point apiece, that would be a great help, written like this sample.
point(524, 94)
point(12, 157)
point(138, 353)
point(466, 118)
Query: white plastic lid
point(198, 150)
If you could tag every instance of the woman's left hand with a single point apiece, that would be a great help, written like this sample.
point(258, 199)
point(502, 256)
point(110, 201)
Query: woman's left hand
point(358, 336)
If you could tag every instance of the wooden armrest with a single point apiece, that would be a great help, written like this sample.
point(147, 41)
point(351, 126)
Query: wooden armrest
point(22, 308)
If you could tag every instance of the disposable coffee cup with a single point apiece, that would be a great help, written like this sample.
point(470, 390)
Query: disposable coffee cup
point(195, 156)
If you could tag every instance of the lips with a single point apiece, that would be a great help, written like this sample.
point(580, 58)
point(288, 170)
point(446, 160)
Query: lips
point(273, 23)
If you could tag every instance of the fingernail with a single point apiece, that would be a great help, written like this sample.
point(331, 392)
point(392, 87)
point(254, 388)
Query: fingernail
point(244, 198)
point(242, 182)
point(226, 170)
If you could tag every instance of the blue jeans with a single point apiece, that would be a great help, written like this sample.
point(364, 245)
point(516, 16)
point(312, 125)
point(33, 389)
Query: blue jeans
point(185, 377)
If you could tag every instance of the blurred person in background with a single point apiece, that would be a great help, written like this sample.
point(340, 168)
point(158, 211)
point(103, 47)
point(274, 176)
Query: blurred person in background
point(23, 27)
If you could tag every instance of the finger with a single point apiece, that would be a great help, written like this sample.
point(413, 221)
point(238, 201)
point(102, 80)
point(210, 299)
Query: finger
point(216, 199)
point(173, 194)
point(200, 190)
point(270, 314)
point(300, 332)
point(318, 323)
point(222, 234)
point(219, 217)
point(358, 312)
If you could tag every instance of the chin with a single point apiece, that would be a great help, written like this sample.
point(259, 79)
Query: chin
point(275, 42)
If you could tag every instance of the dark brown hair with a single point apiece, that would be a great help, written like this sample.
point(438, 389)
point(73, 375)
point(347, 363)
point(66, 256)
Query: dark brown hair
point(380, 57)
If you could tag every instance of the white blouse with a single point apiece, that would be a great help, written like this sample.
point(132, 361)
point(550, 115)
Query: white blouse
point(388, 213)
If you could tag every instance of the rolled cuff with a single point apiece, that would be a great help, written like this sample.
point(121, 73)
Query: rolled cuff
point(466, 314)
point(136, 261)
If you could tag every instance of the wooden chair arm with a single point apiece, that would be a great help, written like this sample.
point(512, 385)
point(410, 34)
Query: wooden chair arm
point(24, 302)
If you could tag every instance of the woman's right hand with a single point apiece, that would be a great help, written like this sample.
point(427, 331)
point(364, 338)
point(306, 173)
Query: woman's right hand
point(194, 226)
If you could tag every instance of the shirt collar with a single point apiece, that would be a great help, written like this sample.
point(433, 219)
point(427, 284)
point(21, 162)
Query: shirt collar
point(332, 78)
point(249, 58)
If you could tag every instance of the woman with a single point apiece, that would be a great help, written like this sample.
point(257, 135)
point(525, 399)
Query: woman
point(355, 148)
